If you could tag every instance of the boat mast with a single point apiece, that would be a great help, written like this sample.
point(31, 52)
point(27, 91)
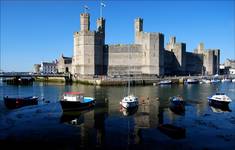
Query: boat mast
point(128, 92)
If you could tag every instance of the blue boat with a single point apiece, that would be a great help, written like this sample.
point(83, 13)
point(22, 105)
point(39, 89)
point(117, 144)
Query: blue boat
point(177, 105)
point(76, 101)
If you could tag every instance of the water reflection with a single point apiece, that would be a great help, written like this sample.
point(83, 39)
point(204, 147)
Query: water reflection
point(172, 131)
point(105, 127)
point(219, 108)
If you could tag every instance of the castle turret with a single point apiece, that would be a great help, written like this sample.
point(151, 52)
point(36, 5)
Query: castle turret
point(172, 40)
point(84, 22)
point(138, 30)
point(200, 48)
point(101, 25)
point(101, 30)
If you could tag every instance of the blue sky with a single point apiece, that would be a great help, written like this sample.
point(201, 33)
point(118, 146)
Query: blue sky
point(35, 31)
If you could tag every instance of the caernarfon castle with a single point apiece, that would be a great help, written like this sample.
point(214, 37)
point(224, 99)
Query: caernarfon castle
point(146, 56)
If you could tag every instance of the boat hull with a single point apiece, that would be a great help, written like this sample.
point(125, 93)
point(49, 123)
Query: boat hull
point(13, 103)
point(220, 104)
point(177, 106)
point(128, 105)
point(73, 105)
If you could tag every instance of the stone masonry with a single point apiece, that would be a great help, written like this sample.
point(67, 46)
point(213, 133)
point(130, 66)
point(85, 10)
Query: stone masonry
point(147, 56)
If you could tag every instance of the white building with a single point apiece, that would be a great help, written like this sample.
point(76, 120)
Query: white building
point(48, 67)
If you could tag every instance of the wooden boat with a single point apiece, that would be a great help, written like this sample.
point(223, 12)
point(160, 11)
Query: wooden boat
point(172, 131)
point(76, 101)
point(17, 102)
point(177, 105)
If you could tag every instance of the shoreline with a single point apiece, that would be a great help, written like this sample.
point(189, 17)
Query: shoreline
point(120, 81)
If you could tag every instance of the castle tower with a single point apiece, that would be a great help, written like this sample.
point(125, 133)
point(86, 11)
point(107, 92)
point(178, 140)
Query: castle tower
point(200, 48)
point(171, 44)
point(84, 22)
point(138, 30)
point(99, 46)
point(101, 25)
point(84, 48)
point(101, 29)
point(172, 40)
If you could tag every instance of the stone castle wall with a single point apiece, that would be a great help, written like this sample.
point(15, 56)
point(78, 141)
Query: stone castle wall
point(146, 56)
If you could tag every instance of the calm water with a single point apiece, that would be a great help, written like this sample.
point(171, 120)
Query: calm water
point(108, 127)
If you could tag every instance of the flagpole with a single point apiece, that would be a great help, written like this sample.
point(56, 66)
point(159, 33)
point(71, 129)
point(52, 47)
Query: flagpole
point(101, 9)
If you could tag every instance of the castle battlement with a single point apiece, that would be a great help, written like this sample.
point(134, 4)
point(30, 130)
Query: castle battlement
point(148, 55)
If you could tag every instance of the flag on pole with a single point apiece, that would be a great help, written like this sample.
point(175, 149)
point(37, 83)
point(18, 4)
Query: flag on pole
point(86, 8)
point(102, 4)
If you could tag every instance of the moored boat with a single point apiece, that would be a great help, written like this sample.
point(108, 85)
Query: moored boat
point(219, 99)
point(233, 80)
point(76, 101)
point(129, 101)
point(177, 105)
point(192, 81)
point(17, 102)
point(206, 81)
point(165, 82)
point(215, 81)
point(226, 80)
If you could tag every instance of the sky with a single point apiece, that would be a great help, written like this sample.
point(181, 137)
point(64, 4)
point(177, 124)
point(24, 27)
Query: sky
point(41, 30)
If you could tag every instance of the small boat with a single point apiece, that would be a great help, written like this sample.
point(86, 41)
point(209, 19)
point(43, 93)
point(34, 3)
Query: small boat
point(192, 81)
point(129, 101)
point(172, 131)
point(219, 99)
point(76, 101)
point(17, 102)
point(165, 82)
point(177, 105)
point(206, 81)
point(225, 80)
point(215, 81)
point(233, 80)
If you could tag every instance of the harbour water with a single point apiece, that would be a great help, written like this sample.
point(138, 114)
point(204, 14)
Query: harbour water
point(107, 126)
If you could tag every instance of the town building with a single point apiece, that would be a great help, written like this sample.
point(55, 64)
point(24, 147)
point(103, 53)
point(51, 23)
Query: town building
point(64, 64)
point(48, 67)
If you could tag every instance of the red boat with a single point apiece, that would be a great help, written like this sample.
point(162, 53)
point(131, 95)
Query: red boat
point(17, 102)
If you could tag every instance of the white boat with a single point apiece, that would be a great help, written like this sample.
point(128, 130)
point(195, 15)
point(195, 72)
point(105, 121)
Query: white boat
point(192, 81)
point(215, 81)
point(130, 100)
point(219, 99)
point(206, 81)
point(165, 82)
point(225, 80)
point(233, 80)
